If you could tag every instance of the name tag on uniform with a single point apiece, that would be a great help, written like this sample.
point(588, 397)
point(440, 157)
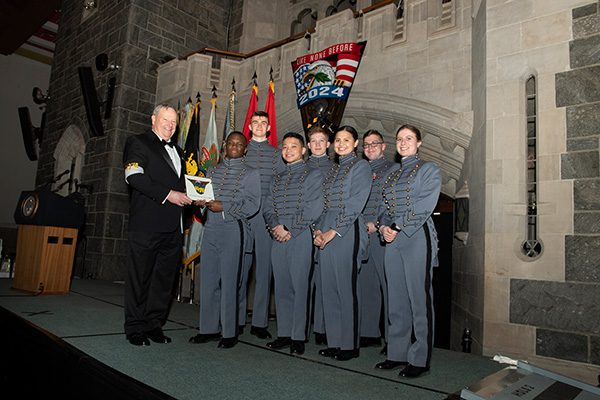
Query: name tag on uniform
point(199, 188)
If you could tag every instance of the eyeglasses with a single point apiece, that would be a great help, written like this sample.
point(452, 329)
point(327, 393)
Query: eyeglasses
point(367, 145)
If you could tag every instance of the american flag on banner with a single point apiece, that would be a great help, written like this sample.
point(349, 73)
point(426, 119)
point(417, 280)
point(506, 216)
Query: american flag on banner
point(347, 64)
point(298, 75)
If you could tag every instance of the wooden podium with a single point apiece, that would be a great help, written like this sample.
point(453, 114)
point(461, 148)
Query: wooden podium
point(46, 240)
point(44, 259)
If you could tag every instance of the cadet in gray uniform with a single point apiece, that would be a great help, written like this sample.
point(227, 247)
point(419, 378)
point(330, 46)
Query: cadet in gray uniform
point(292, 204)
point(411, 194)
point(267, 159)
point(373, 288)
point(236, 188)
point(318, 143)
point(341, 236)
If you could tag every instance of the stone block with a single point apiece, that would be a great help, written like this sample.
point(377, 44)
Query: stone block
point(582, 259)
point(586, 223)
point(579, 165)
point(585, 194)
point(563, 345)
point(503, 41)
point(586, 21)
point(578, 86)
point(585, 11)
point(535, 33)
point(583, 120)
point(497, 290)
point(111, 225)
point(568, 306)
point(595, 350)
point(510, 338)
point(582, 144)
point(109, 266)
point(584, 52)
point(504, 14)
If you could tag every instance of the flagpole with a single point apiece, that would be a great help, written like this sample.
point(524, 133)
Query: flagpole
point(270, 109)
point(251, 108)
point(229, 117)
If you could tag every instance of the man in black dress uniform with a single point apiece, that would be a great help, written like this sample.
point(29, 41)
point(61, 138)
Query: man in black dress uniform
point(154, 170)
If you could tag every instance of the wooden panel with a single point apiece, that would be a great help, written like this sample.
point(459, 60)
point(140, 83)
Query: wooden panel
point(44, 259)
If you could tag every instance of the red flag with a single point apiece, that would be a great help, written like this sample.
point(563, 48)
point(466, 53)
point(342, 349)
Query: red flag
point(270, 109)
point(251, 108)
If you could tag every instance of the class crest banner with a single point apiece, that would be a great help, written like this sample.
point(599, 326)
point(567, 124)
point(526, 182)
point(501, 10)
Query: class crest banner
point(323, 81)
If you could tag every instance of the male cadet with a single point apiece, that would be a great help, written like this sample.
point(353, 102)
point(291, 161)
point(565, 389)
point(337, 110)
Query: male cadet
point(267, 159)
point(372, 279)
point(293, 202)
point(318, 143)
point(236, 188)
point(154, 171)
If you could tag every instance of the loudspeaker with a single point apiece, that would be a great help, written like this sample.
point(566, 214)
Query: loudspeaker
point(90, 100)
point(101, 62)
point(31, 133)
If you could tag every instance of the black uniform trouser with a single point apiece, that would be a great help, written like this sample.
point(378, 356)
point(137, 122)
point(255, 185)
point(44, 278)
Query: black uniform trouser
point(152, 262)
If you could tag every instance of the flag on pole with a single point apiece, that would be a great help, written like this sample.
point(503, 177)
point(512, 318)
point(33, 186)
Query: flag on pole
point(270, 109)
point(251, 108)
point(229, 119)
point(185, 120)
point(191, 146)
point(208, 156)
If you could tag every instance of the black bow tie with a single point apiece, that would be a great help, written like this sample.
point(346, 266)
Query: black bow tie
point(165, 143)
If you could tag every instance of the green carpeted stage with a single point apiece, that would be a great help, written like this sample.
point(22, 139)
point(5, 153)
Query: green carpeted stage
point(73, 346)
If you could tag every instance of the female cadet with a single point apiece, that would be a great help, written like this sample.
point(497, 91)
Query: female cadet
point(411, 193)
point(341, 238)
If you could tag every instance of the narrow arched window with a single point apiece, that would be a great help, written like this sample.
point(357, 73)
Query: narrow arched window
point(532, 246)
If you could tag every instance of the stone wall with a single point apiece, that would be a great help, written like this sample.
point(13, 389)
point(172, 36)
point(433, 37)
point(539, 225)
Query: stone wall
point(139, 36)
point(468, 262)
point(566, 314)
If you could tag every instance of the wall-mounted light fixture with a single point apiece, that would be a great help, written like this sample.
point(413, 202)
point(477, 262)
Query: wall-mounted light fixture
point(38, 96)
point(89, 8)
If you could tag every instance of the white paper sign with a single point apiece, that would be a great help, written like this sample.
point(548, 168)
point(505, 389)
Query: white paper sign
point(199, 188)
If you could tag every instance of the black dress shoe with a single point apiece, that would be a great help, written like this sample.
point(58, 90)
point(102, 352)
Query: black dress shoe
point(261, 333)
point(138, 339)
point(389, 365)
point(345, 355)
point(329, 352)
point(320, 339)
point(297, 347)
point(413, 372)
point(370, 342)
point(280, 343)
point(227, 343)
point(383, 351)
point(241, 330)
point(157, 336)
point(205, 337)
